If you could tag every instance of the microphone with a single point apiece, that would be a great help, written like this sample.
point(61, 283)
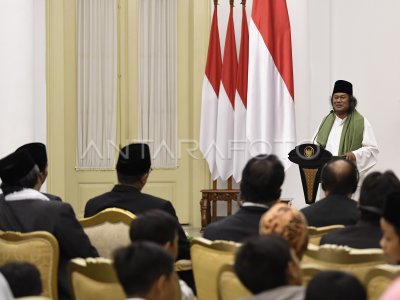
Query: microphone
point(320, 126)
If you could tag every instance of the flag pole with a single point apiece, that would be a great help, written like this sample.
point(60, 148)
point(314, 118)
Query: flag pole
point(231, 2)
point(243, 3)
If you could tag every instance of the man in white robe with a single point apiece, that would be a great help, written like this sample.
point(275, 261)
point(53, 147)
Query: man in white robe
point(344, 132)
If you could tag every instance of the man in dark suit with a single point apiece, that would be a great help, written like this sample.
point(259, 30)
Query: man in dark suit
point(260, 188)
point(339, 179)
point(24, 209)
point(367, 232)
point(39, 155)
point(133, 169)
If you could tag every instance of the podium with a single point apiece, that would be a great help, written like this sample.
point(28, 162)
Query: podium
point(310, 158)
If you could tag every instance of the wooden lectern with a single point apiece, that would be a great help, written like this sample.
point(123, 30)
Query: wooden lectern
point(310, 158)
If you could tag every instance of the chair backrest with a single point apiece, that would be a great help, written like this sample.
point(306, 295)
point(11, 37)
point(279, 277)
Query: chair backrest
point(207, 258)
point(379, 278)
point(40, 248)
point(94, 279)
point(309, 270)
point(108, 230)
point(334, 257)
point(229, 285)
point(316, 233)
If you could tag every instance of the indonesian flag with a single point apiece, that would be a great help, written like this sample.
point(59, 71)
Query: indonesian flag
point(239, 155)
point(226, 104)
point(270, 108)
point(210, 91)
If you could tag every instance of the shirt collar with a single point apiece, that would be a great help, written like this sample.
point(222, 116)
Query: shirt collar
point(26, 194)
point(339, 120)
point(247, 204)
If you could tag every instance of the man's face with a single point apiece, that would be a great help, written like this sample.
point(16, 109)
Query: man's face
point(341, 103)
point(390, 242)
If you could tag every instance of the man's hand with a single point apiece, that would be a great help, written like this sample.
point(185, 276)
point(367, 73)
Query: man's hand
point(350, 156)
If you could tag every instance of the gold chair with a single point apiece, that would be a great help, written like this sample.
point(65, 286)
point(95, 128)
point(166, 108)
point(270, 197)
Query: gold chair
point(108, 230)
point(207, 258)
point(94, 279)
point(379, 278)
point(229, 285)
point(316, 233)
point(33, 298)
point(40, 248)
point(309, 270)
point(334, 257)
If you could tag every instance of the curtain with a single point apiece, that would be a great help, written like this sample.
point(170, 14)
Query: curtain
point(96, 83)
point(158, 79)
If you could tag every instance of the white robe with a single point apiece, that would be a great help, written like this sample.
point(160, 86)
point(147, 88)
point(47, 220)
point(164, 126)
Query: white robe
point(366, 156)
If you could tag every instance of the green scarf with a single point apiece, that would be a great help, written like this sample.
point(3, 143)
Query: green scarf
point(352, 132)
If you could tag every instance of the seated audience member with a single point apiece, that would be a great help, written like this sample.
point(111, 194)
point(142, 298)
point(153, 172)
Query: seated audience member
point(23, 279)
point(289, 223)
point(390, 225)
point(146, 271)
point(339, 179)
point(161, 228)
point(5, 291)
point(260, 188)
point(25, 209)
point(367, 232)
point(268, 267)
point(335, 285)
point(133, 169)
point(39, 155)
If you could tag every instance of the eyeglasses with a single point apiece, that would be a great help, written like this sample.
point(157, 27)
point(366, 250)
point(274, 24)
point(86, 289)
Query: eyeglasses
point(341, 97)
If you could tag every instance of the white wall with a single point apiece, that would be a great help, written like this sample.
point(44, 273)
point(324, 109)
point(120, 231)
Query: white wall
point(355, 40)
point(22, 73)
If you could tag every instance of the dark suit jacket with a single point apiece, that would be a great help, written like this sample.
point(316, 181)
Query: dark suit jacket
point(363, 235)
point(130, 198)
point(59, 219)
point(237, 227)
point(52, 197)
point(334, 209)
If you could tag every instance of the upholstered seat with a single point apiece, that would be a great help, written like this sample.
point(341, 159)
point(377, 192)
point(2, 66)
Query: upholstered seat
point(207, 259)
point(316, 233)
point(229, 285)
point(39, 248)
point(379, 278)
point(334, 257)
point(108, 230)
point(94, 279)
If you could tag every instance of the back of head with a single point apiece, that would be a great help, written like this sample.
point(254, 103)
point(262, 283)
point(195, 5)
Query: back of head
point(23, 279)
point(289, 223)
point(18, 171)
point(134, 161)
point(262, 179)
point(155, 226)
point(38, 153)
point(374, 191)
point(391, 209)
point(334, 285)
point(140, 265)
point(262, 262)
point(339, 176)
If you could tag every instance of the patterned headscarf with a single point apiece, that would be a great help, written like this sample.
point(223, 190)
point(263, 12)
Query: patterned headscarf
point(287, 222)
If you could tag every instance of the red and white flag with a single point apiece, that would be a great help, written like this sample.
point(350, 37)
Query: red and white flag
point(239, 154)
point(226, 103)
point(210, 92)
point(270, 107)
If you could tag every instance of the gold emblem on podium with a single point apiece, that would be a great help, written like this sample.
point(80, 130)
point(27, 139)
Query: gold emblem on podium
point(309, 151)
